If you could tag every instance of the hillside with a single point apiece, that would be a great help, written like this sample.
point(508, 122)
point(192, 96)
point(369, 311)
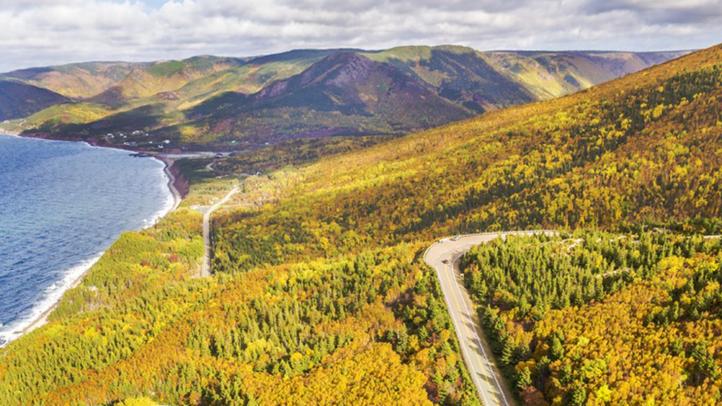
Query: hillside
point(641, 150)
point(358, 95)
point(459, 74)
point(134, 80)
point(239, 103)
point(19, 100)
point(319, 280)
point(586, 318)
point(553, 74)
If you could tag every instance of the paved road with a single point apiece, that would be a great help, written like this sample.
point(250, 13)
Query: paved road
point(444, 257)
point(206, 265)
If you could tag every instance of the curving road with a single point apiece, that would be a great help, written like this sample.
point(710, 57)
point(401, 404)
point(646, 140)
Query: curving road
point(206, 265)
point(444, 256)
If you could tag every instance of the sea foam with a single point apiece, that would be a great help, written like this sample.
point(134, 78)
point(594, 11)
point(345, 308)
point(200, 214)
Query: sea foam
point(63, 205)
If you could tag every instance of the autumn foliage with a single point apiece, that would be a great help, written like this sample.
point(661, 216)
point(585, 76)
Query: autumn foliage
point(320, 296)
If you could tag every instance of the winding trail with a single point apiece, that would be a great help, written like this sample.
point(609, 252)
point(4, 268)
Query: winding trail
point(206, 265)
point(444, 257)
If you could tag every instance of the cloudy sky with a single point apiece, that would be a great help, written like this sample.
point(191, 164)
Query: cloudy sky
point(44, 32)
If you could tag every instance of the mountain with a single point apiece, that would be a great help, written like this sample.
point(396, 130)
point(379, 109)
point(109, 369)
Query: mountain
point(553, 74)
point(19, 99)
point(459, 74)
point(503, 78)
point(578, 319)
point(319, 280)
point(75, 81)
point(360, 96)
point(134, 80)
point(236, 103)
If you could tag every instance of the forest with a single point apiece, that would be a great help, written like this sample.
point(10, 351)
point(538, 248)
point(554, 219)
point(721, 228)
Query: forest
point(372, 325)
point(318, 279)
point(567, 314)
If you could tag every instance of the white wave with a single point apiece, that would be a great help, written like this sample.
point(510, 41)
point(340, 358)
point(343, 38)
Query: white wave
point(52, 295)
point(72, 276)
point(170, 202)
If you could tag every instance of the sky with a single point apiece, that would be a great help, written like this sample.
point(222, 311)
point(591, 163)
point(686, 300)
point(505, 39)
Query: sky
point(51, 32)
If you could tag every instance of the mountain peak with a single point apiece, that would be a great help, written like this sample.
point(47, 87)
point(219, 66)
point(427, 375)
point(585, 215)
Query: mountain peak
point(339, 68)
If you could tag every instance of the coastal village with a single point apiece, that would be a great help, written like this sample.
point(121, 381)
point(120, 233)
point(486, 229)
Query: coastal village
point(136, 138)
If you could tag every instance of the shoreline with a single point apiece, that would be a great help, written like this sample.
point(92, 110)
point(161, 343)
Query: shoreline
point(42, 318)
point(177, 187)
point(172, 184)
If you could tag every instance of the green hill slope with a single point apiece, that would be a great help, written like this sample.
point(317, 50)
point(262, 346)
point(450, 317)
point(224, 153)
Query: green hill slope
point(75, 80)
point(553, 74)
point(19, 100)
point(459, 74)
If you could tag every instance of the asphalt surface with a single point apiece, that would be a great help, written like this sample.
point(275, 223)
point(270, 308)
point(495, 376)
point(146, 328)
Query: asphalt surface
point(444, 257)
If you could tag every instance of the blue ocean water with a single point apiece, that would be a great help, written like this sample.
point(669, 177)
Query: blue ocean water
point(61, 205)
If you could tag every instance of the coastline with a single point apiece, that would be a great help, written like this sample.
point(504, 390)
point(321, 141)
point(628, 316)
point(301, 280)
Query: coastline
point(177, 184)
point(9, 133)
point(42, 318)
point(177, 187)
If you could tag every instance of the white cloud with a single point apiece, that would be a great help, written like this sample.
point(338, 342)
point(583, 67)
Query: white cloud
point(40, 32)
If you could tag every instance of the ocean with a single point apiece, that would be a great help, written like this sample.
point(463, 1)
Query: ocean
point(61, 205)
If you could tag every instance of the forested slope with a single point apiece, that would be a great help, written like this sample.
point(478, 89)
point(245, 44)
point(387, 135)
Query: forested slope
point(319, 282)
point(644, 150)
point(588, 319)
point(368, 328)
point(639, 153)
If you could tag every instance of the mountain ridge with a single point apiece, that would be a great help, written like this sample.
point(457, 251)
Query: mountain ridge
point(223, 103)
point(347, 83)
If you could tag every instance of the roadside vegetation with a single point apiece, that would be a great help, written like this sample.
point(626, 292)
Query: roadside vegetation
point(587, 318)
